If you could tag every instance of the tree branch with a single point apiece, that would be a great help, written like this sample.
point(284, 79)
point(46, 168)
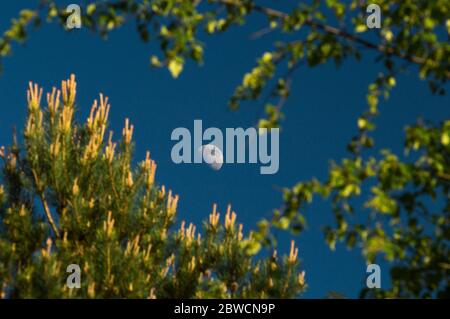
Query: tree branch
point(335, 31)
point(43, 199)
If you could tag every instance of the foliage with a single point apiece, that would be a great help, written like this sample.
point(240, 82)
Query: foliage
point(412, 32)
point(404, 201)
point(113, 220)
point(398, 210)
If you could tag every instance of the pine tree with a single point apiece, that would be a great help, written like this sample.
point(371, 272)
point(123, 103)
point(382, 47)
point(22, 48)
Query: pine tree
point(71, 196)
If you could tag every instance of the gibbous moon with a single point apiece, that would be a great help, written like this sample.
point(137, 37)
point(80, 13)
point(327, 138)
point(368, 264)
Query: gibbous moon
point(212, 155)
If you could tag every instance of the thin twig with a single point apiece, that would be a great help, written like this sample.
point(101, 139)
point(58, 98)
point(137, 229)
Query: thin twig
point(258, 34)
point(444, 176)
point(41, 195)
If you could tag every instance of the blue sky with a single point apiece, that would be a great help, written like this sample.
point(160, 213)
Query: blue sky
point(320, 119)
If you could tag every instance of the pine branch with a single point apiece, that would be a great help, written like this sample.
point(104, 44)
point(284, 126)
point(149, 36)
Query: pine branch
point(41, 194)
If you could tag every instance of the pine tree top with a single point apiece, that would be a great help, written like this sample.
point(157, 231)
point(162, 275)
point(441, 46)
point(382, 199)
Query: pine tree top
point(71, 199)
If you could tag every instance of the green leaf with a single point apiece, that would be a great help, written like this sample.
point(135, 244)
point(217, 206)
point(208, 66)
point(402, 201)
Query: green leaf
point(360, 28)
point(175, 67)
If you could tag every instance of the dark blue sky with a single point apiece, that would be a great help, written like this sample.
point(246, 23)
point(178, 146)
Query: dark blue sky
point(320, 119)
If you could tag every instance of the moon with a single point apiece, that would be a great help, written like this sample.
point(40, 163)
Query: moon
point(212, 155)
